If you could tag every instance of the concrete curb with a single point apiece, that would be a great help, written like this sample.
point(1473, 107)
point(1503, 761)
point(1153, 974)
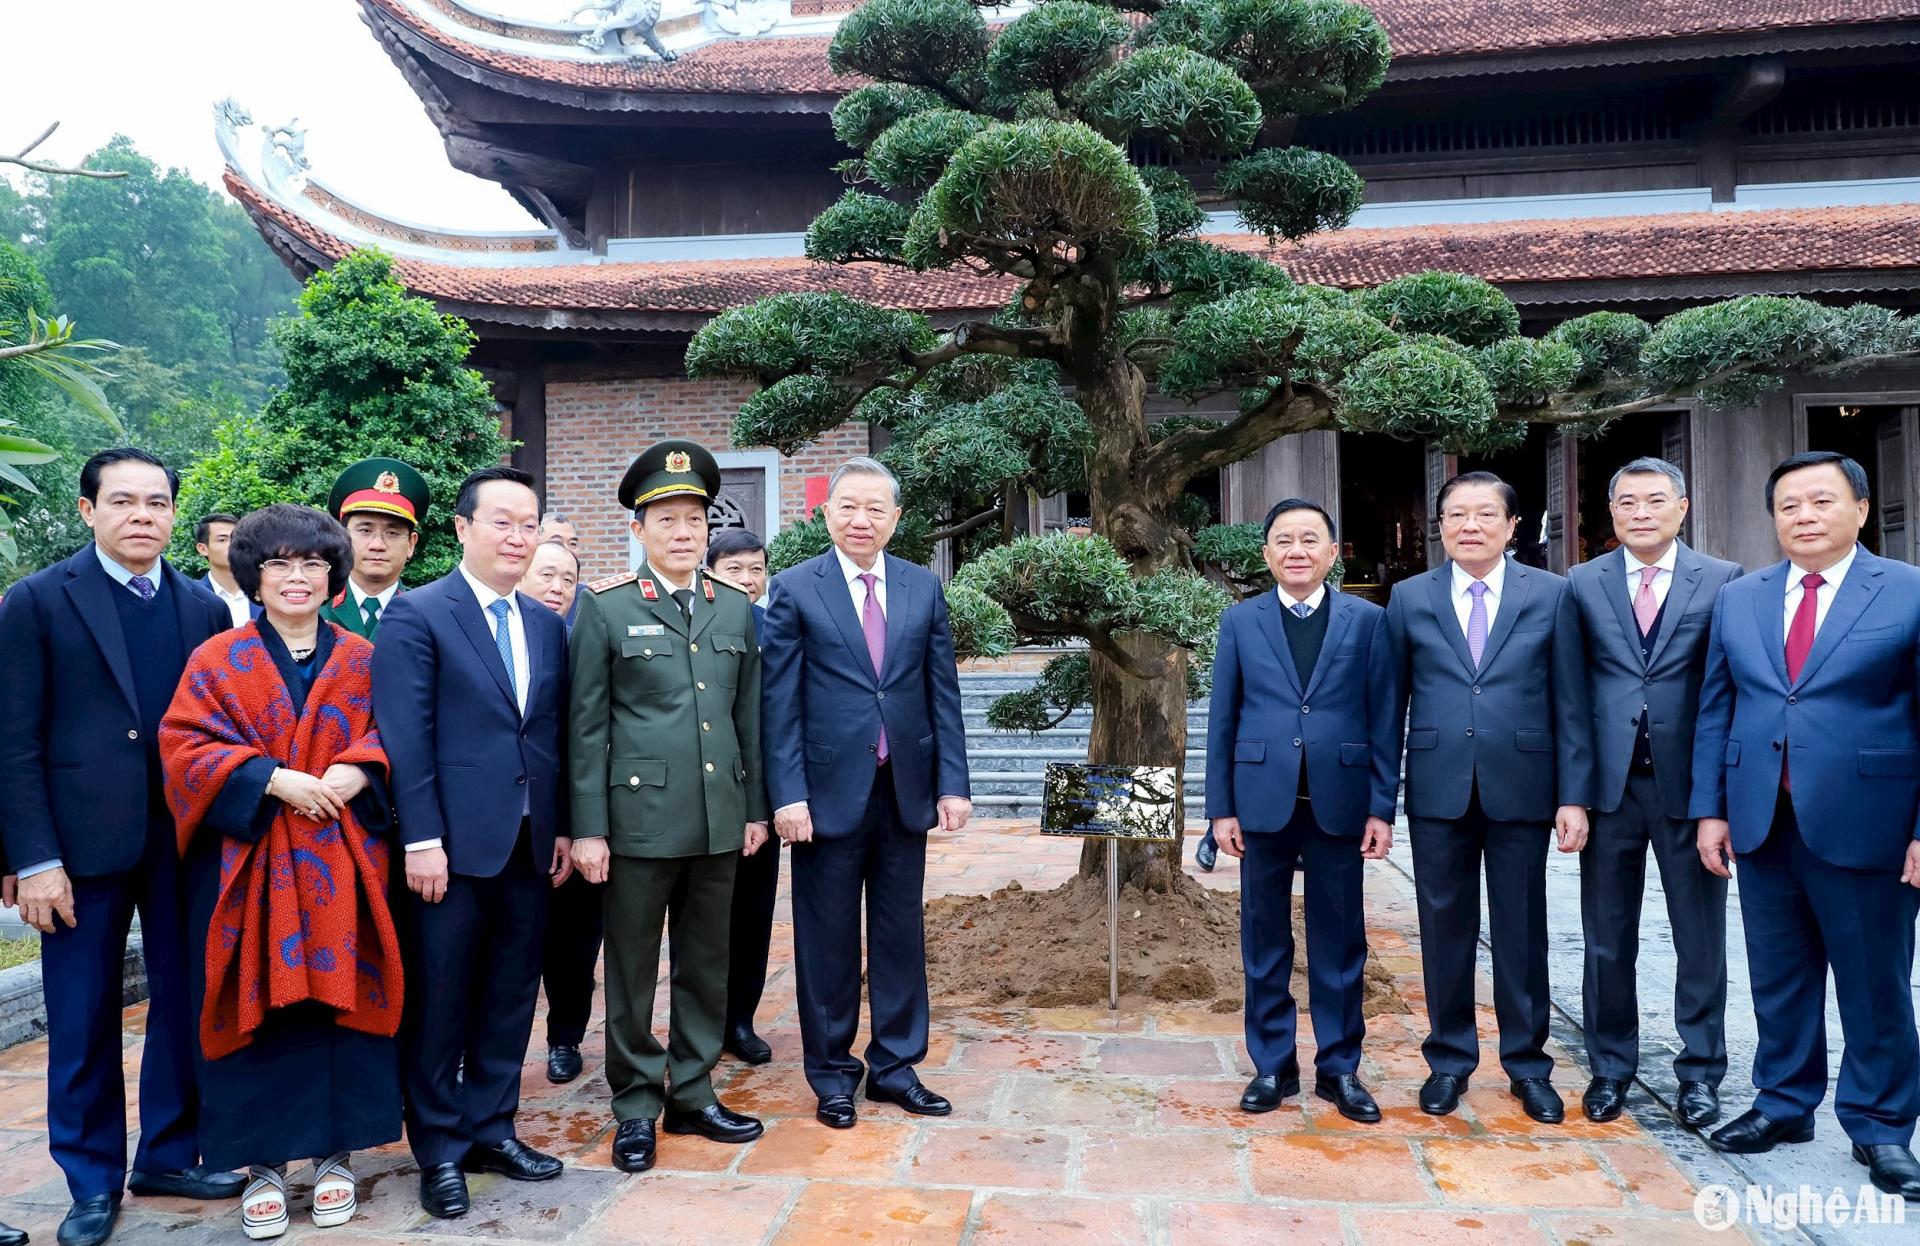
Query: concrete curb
point(23, 1007)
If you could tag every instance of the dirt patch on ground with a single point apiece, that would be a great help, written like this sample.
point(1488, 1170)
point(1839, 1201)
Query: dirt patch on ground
point(1048, 949)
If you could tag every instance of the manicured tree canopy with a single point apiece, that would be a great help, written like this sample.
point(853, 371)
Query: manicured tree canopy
point(1006, 152)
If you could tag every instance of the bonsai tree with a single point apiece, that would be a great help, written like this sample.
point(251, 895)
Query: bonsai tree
point(1010, 154)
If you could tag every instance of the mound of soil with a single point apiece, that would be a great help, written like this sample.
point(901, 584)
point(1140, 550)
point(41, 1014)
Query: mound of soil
point(1048, 949)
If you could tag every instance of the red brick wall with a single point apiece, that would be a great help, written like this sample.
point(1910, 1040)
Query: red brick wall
point(595, 428)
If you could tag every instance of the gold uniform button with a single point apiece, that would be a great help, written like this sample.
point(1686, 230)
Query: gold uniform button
point(702, 687)
point(647, 652)
point(709, 767)
point(693, 648)
point(706, 726)
point(633, 781)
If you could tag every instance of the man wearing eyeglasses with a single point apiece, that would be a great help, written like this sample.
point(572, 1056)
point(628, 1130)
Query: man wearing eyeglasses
point(381, 503)
point(1645, 610)
point(1488, 656)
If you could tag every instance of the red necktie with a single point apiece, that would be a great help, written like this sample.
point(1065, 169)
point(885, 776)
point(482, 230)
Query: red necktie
point(1800, 643)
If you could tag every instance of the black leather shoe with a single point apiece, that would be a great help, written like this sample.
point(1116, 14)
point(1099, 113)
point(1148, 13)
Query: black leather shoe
point(1345, 1092)
point(633, 1146)
point(715, 1121)
point(1207, 852)
point(1753, 1131)
point(916, 1099)
point(196, 1182)
point(1892, 1169)
point(1440, 1094)
point(512, 1159)
point(443, 1192)
point(1269, 1090)
point(10, 1236)
point(836, 1112)
point(748, 1046)
point(89, 1221)
point(1539, 1099)
point(1697, 1105)
point(563, 1063)
point(1605, 1099)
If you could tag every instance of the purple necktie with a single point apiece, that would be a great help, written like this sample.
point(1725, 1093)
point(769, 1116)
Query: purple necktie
point(143, 586)
point(1477, 622)
point(874, 623)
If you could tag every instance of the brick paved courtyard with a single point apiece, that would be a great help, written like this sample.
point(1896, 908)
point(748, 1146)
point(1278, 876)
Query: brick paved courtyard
point(1070, 1126)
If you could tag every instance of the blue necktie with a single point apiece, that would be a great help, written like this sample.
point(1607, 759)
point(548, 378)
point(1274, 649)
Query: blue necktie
point(1300, 609)
point(504, 639)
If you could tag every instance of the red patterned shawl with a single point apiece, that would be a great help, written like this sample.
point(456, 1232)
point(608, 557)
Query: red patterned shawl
point(302, 914)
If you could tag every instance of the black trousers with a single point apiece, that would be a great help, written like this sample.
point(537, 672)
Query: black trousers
point(575, 917)
point(1447, 857)
point(888, 863)
point(473, 980)
point(1613, 879)
point(755, 884)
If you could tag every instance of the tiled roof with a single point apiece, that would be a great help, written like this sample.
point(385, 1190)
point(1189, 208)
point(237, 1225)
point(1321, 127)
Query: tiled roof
point(1703, 245)
point(1420, 30)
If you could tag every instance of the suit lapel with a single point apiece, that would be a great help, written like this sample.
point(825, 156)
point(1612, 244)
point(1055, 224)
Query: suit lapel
point(1440, 597)
point(1687, 568)
point(1850, 601)
point(471, 620)
point(536, 661)
point(1267, 610)
point(92, 589)
point(839, 603)
point(899, 600)
point(1770, 610)
point(1337, 625)
point(1518, 588)
point(1613, 583)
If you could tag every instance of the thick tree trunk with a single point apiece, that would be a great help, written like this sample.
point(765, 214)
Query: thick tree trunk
point(1138, 722)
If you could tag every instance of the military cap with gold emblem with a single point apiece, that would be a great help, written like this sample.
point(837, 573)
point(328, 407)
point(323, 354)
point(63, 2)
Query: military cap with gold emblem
point(670, 468)
point(380, 487)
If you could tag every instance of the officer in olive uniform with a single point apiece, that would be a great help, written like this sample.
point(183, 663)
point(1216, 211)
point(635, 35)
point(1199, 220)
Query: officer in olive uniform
point(667, 791)
point(381, 503)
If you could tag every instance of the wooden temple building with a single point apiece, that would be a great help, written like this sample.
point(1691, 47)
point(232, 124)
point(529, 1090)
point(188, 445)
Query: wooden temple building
point(1640, 155)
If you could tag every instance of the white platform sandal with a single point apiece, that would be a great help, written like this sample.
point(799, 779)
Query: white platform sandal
point(263, 1208)
point(335, 1194)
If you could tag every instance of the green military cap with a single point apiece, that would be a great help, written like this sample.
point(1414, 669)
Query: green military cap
point(380, 487)
point(670, 468)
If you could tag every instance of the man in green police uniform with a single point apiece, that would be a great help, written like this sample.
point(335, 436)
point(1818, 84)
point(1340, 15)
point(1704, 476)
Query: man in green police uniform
point(667, 793)
point(381, 503)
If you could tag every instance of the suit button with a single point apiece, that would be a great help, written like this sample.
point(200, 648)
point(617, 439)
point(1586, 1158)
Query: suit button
point(1793, 700)
point(1306, 709)
point(1649, 679)
point(1469, 733)
point(521, 779)
point(706, 727)
point(709, 767)
point(698, 686)
point(1476, 690)
point(1776, 746)
point(633, 781)
point(693, 648)
point(133, 735)
point(1296, 741)
point(873, 748)
point(879, 696)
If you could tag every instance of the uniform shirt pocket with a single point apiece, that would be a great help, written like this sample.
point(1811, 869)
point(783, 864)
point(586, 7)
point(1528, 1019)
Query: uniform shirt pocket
point(636, 773)
point(647, 648)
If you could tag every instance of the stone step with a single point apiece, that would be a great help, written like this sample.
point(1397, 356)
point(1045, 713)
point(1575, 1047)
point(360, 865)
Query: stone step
point(1081, 720)
point(1002, 805)
point(997, 759)
point(1029, 782)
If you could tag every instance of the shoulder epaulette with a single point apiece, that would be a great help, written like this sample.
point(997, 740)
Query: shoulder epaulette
point(723, 583)
point(612, 581)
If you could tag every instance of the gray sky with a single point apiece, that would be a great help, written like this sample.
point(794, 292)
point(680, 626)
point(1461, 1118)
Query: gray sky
point(152, 69)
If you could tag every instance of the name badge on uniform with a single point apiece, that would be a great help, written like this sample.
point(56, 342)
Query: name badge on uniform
point(646, 629)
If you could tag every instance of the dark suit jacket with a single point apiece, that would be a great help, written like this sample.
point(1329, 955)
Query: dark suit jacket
point(1518, 725)
point(824, 705)
point(463, 758)
point(206, 585)
point(1260, 719)
point(1620, 683)
point(1852, 719)
point(72, 764)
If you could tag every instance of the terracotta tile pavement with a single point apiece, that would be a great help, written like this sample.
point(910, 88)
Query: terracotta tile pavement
point(1073, 1125)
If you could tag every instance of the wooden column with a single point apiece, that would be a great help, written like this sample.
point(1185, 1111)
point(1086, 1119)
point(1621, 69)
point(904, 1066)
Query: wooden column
point(1304, 465)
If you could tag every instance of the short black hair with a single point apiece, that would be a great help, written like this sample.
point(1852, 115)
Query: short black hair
point(1508, 496)
point(207, 521)
point(730, 541)
point(1296, 504)
point(284, 530)
point(1856, 475)
point(469, 497)
point(90, 472)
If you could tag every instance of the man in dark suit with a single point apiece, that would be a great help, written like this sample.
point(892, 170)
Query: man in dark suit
point(740, 558)
point(470, 687)
point(1644, 614)
point(1497, 752)
point(210, 538)
point(869, 756)
point(90, 651)
point(1303, 766)
point(1806, 764)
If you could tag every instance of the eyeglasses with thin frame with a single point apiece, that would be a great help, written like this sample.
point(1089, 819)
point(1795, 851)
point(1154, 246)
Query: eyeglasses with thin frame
point(506, 527)
point(312, 568)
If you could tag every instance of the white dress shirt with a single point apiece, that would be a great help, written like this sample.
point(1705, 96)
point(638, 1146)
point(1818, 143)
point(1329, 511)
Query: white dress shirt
point(385, 596)
point(239, 609)
point(1312, 600)
point(1662, 583)
point(850, 570)
point(1831, 579)
point(1496, 581)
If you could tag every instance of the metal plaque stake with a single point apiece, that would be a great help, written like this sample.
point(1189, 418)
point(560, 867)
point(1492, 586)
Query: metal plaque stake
point(1113, 925)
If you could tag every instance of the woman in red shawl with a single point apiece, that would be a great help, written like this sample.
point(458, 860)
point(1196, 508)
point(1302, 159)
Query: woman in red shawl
point(277, 782)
